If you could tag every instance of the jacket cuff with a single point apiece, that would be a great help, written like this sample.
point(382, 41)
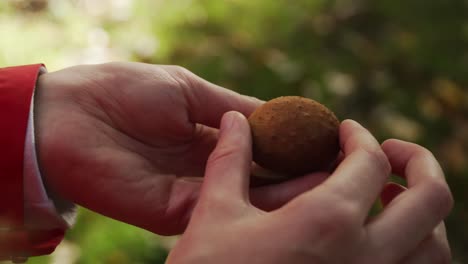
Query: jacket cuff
point(17, 241)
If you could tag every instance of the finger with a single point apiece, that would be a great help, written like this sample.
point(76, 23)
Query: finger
point(267, 198)
point(418, 210)
point(360, 177)
point(228, 167)
point(274, 196)
point(208, 102)
point(434, 249)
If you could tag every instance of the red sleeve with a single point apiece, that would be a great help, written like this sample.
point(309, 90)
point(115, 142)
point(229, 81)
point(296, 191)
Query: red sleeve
point(16, 90)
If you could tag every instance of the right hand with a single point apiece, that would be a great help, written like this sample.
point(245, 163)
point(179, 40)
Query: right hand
point(329, 223)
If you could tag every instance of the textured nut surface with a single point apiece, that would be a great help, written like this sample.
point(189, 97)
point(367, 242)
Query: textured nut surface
point(294, 135)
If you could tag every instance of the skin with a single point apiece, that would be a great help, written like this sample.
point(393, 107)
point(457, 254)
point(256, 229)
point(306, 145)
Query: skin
point(131, 141)
point(328, 223)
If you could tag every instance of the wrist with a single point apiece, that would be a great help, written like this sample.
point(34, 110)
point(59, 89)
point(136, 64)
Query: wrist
point(43, 208)
point(44, 102)
point(40, 109)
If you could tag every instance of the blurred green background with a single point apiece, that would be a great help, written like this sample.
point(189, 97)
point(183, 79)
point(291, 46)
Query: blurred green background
point(399, 67)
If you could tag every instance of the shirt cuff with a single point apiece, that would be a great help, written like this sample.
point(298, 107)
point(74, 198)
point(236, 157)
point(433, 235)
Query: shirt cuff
point(40, 210)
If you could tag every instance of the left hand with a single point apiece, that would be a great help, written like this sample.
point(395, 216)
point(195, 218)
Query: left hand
point(128, 139)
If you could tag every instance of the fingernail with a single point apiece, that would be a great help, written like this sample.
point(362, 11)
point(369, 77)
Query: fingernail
point(228, 121)
point(351, 122)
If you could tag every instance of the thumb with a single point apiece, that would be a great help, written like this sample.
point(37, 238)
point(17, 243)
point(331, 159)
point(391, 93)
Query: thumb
point(208, 102)
point(228, 168)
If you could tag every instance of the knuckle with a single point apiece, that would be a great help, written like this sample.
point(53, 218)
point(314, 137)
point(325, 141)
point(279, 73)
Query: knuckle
point(223, 154)
point(182, 74)
point(379, 158)
point(337, 220)
point(347, 212)
point(183, 77)
point(428, 157)
point(442, 197)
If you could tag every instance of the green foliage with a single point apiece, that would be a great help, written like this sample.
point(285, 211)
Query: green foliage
point(399, 67)
point(108, 241)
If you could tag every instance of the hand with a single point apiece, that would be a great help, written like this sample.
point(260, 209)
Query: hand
point(415, 210)
point(329, 223)
point(126, 139)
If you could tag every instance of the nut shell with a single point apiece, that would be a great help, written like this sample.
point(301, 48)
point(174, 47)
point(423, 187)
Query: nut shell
point(294, 135)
